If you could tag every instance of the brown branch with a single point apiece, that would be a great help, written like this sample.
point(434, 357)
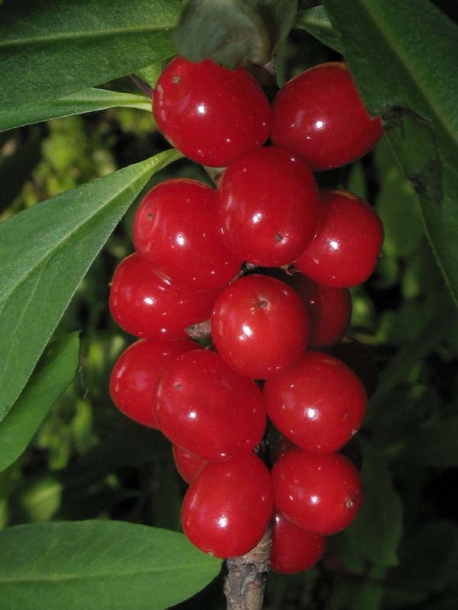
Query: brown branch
point(247, 575)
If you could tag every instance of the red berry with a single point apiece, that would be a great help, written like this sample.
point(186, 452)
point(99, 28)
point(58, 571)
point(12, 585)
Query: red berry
point(146, 306)
point(175, 230)
point(209, 113)
point(320, 116)
point(318, 403)
point(346, 247)
point(293, 548)
point(187, 464)
point(203, 406)
point(268, 206)
point(134, 375)
point(228, 507)
point(259, 326)
point(320, 493)
point(329, 309)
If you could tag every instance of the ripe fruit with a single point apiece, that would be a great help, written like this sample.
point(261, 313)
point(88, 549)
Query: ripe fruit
point(320, 116)
point(206, 408)
point(268, 206)
point(209, 113)
point(175, 230)
point(146, 306)
point(318, 403)
point(293, 548)
point(320, 493)
point(187, 464)
point(259, 326)
point(346, 247)
point(188, 271)
point(134, 375)
point(228, 506)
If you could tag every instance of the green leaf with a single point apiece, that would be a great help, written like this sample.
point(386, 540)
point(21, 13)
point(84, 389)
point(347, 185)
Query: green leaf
point(435, 445)
point(316, 22)
point(89, 100)
point(377, 530)
point(49, 50)
point(384, 44)
point(233, 31)
point(99, 565)
point(55, 373)
point(45, 253)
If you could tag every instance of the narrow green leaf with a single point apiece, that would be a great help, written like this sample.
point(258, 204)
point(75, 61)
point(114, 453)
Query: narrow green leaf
point(316, 22)
point(89, 100)
point(99, 565)
point(55, 373)
point(435, 445)
point(45, 253)
point(49, 50)
point(377, 530)
point(385, 46)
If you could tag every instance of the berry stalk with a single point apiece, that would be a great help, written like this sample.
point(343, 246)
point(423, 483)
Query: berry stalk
point(246, 578)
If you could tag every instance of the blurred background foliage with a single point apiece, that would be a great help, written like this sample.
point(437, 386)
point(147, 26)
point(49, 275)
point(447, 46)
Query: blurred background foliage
point(89, 461)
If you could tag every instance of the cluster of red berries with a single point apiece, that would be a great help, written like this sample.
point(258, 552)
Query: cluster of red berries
point(265, 261)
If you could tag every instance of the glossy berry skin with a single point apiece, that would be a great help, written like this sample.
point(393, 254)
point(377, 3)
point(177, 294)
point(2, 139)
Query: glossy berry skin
point(259, 326)
point(209, 113)
point(207, 409)
point(175, 230)
point(320, 116)
point(187, 464)
point(320, 493)
point(318, 403)
point(329, 309)
point(293, 548)
point(134, 375)
point(228, 507)
point(146, 306)
point(268, 206)
point(346, 247)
